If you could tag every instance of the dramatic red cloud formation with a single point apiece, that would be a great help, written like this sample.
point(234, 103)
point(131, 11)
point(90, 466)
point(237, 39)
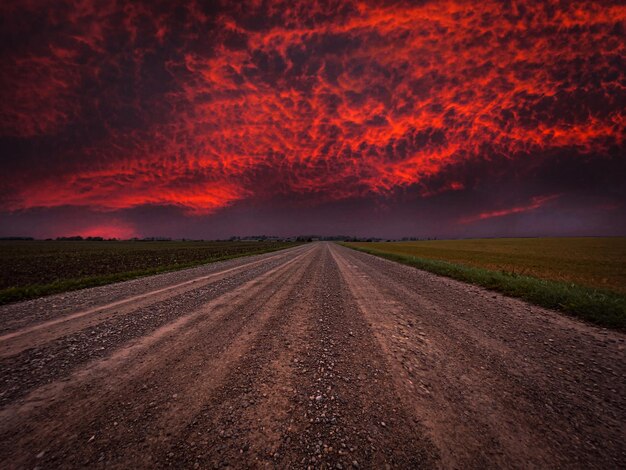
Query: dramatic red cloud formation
point(113, 105)
point(535, 203)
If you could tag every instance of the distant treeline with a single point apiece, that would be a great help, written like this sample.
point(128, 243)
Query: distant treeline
point(262, 238)
point(78, 238)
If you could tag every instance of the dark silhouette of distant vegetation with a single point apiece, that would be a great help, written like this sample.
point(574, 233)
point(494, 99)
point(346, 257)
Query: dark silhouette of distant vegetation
point(78, 238)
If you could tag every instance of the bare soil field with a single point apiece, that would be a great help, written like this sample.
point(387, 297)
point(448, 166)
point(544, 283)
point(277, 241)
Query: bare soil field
point(34, 268)
point(317, 356)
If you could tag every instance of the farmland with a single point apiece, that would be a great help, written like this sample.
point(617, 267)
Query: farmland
point(591, 262)
point(582, 276)
point(30, 269)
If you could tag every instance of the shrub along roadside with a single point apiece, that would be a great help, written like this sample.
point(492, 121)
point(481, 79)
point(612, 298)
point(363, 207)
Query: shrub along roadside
point(15, 294)
point(603, 308)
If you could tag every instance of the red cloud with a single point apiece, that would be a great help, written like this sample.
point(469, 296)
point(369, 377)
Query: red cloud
point(535, 203)
point(202, 109)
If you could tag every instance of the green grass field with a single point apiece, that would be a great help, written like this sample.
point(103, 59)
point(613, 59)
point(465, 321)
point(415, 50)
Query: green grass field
point(585, 277)
point(31, 269)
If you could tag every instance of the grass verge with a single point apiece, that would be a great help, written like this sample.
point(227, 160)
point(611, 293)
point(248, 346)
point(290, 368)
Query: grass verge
point(15, 294)
point(604, 308)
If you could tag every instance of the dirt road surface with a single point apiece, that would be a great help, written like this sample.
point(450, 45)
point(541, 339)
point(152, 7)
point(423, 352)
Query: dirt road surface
point(317, 356)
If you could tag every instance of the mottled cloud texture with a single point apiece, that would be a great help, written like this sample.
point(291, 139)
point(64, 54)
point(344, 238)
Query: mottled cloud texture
point(390, 118)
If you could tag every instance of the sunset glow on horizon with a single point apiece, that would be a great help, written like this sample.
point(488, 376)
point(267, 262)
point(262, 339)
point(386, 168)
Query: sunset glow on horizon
point(203, 119)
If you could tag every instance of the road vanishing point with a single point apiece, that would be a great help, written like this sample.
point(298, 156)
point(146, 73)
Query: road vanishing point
point(317, 356)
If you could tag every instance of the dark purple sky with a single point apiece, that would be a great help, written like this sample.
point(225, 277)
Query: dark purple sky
point(386, 118)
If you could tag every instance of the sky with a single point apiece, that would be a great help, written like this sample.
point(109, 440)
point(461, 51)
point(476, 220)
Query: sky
point(207, 119)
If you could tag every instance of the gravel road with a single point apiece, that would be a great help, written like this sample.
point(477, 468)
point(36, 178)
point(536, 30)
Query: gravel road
point(317, 356)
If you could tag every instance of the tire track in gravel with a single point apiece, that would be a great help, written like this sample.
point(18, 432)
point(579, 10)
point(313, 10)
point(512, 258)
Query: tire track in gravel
point(302, 395)
point(23, 314)
point(218, 349)
point(352, 415)
point(57, 358)
point(16, 337)
point(488, 393)
point(251, 416)
point(150, 395)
